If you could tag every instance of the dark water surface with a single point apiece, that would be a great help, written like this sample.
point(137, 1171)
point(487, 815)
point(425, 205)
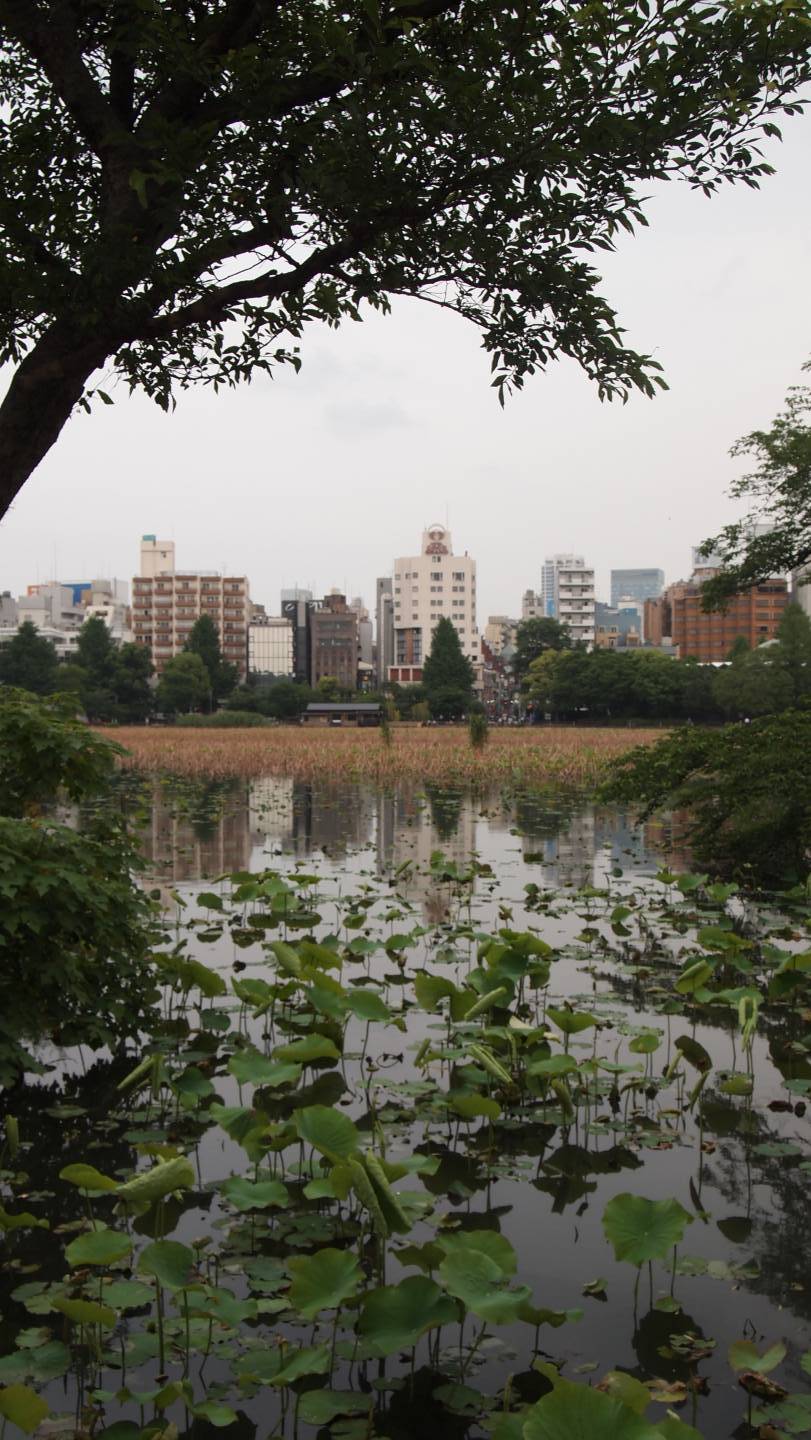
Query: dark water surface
point(557, 867)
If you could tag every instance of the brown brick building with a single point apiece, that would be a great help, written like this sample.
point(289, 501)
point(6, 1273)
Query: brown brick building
point(754, 614)
point(334, 642)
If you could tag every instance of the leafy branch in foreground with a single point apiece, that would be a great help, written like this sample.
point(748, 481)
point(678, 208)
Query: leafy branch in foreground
point(780, 490)
point(186, 185)
point(747, 788)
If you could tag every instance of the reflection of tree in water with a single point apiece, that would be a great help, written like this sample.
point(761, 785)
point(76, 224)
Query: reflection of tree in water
point(543, 816)
point(771, 1193)
point(446, 809)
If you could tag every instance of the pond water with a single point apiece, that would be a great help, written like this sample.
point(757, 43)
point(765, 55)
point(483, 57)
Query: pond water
point(350, 934)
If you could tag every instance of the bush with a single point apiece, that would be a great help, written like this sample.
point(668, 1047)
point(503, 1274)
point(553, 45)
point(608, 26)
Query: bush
point(223, 720)
point(747, 789)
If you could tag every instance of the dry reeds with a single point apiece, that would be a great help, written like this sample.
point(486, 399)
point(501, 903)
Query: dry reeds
point(532, 756)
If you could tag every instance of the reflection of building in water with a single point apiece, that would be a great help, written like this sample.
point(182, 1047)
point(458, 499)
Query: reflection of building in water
point(270, 811)
point(413, 824)
point(294, 816)
point(210, 838)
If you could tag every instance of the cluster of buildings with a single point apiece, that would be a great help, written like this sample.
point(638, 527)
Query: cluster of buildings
point(315, 638)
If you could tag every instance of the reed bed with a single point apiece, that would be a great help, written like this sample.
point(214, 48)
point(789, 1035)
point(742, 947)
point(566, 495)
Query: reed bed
point(536, 756)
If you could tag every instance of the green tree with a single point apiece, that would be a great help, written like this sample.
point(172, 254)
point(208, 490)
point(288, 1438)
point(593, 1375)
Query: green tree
point(779, 489)
point(746, 790)
point(178, 172)
point(541, 680)
point(754, 683)
point(204, 641)
point(95, 654)
point(535, 636)
point(447, 674)
point(328, 690)
point(133, 692)
point(29, 661)
point(184, 685)
point(793, 652)
point(74, 925)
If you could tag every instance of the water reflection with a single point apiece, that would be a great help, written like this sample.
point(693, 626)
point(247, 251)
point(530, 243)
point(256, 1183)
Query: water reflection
point(200, 832)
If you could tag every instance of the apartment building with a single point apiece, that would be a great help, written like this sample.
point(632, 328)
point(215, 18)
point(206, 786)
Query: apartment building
point(567, 592)
point(426, 587)
point(167, 602)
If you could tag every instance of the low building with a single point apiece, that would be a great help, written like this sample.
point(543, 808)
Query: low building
point(348, 713)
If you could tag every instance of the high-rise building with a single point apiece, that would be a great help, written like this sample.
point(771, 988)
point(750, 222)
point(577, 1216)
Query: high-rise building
point(166, 603)
point(567, 595)
point(366, 643)
point(499, 633)
point(800, 589)
point(334, 642)
point(531, 605)
point(428, 586)
point(297, 605)
point(384, 628)
point(639, 585)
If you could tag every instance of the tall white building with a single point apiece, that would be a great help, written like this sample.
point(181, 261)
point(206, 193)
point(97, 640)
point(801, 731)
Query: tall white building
point(166, 602)
point(426, 587)
point(270, 647)
point(567, 595)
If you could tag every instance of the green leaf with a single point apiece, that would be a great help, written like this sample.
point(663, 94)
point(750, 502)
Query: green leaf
point(284, 1364)
point(743, 1355)
point(576, 1412)
point(98, 1247)
point(85, 1312)
point(322, 1281)
point(328, 1130)
point(170, 1262)
point(645, 1043)
point(430, 989)
point(23, 1220)
point(305, 1051)
point(367, 1004)
point(319, 1407)
point(250, 1067)
point(393, 1317)
point(246, 1194)
point(694, 977)
point(87, 1177)
point(488, 1242)
point(694, 1053)
point(641, 1229)
point(155, 1184)
point(479, 1282)
point(216, 1414)
point(471, 1105)
point(23, 1407)
point(571, 1022)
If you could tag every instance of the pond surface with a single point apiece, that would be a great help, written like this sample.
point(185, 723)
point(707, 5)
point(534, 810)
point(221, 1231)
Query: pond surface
point(346, 936)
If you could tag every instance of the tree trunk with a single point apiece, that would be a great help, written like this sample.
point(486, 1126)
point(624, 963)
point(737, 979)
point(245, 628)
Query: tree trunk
point(46, 386)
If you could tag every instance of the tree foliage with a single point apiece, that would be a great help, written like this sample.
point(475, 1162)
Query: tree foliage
point(204, 641)
point(779, 491)
point(74, 925)
point(29, 661)
point(184, 685)
point(112, 681)
point(534, 637)
point(187, 184)
point(447, 674)
point(746, 789)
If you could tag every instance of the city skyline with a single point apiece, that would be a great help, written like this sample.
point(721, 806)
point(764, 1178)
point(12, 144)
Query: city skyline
point(323, 477)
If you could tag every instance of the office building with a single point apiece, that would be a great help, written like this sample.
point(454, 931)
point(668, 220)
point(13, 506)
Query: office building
point(270, 648)
point(167, 602)
point(428, 586)
point(499, 634)
point(366, 643)
point(297, 605)
point(800, 589)
point(754, 614)
point(619, 625)
point(334, 642)
point(639, 585)
point(384, 628)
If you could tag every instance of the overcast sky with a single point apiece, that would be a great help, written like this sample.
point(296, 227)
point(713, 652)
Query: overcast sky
point(321, 479)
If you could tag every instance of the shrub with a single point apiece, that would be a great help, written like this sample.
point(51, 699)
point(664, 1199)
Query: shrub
point(223, 720)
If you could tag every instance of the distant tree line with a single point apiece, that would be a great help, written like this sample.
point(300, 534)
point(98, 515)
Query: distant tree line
point(612, 685)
